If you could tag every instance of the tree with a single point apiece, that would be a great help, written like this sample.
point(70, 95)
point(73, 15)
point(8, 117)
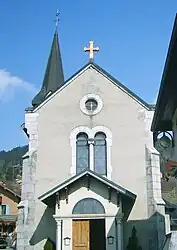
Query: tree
point(49, 245)
point(11, 163)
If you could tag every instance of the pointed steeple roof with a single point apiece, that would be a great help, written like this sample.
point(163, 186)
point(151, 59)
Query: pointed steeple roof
point(54, 77)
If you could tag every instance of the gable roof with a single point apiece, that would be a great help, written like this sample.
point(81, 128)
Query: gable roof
point(6, 188)
point(95, 66)
point(77, 177)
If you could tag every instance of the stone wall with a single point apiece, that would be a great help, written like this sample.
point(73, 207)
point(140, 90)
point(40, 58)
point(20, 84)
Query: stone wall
point(155, 201)
point(25, 224)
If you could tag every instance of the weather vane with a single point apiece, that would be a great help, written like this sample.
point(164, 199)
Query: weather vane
point(57, 19)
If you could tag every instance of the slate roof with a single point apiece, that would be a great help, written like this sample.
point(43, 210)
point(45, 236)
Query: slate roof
point(167, 100)
point(84, 173)
point(54, 77)
point(5, 187)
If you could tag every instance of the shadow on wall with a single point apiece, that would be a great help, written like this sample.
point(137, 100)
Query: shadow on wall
point(133, 242)
point(138, 234)
point(143, 234)
point(147, 234)
point(42, 231)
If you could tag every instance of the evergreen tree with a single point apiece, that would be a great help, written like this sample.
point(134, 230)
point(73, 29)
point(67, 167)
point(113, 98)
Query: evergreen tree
point(11, 163)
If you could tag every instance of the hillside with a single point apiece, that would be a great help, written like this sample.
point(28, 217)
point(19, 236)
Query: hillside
point(11, 164)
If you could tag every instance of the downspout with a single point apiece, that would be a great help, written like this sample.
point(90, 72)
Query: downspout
point(61, 235)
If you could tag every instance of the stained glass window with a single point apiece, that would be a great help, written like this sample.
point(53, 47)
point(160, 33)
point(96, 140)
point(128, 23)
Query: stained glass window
point(88, 206)
point(91, 104)
point(82, 152)
point(100, 157)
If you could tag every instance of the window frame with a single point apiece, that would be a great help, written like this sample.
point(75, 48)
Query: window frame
point(87, 97)
point(5, 206)
point(105, 152)
point(83, 146)
point(91, 134)
point(88, 205)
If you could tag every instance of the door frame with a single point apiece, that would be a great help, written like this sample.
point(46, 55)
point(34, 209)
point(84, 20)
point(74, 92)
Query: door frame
point(89, 219)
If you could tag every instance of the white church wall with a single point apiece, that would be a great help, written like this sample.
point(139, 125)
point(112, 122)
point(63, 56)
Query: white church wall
point(31, 124)
point(127, 120)
point(67, 232)
point(62, 114)
point(111, 231)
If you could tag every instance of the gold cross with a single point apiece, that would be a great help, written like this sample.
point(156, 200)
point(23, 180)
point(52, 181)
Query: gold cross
point(91, 50)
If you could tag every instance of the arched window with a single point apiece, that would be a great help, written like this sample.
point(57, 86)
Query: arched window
point(88, 206)
point(82, 152)
point(100, 158)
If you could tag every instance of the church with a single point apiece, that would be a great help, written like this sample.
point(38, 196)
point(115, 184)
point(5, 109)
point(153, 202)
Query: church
point(91, 178)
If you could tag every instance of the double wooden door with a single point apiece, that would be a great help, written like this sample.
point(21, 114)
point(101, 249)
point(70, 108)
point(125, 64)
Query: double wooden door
point(88, 235)
point(81, 235)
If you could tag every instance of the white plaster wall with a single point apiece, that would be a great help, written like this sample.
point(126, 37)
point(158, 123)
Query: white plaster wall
point(111, 231)
point(51, 125)
point(62, 114)
point(31, 124)
point(148, 116)
point(67, 232)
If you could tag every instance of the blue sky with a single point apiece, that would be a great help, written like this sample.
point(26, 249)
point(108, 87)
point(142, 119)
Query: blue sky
point(133, 37)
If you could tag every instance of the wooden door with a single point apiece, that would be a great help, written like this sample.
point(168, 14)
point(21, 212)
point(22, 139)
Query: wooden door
point(81, 235)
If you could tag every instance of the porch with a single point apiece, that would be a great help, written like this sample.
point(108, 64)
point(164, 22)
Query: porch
point(89, 211)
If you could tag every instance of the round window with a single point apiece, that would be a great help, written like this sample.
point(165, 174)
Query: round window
point(91, 104)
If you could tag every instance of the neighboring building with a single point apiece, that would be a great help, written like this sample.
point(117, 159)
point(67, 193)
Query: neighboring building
point(8, 209)
point(164, 128)
point(91, 178)
point(164, 120)
point(164, 125)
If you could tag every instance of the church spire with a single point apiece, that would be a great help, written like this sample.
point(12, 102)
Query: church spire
point(54, 77)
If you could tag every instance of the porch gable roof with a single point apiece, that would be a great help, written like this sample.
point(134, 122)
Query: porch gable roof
point(44, 197)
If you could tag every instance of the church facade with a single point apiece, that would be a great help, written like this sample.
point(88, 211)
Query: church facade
point(91, 179)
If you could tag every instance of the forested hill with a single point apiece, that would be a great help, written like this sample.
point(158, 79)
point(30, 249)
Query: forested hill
point(11, 163)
